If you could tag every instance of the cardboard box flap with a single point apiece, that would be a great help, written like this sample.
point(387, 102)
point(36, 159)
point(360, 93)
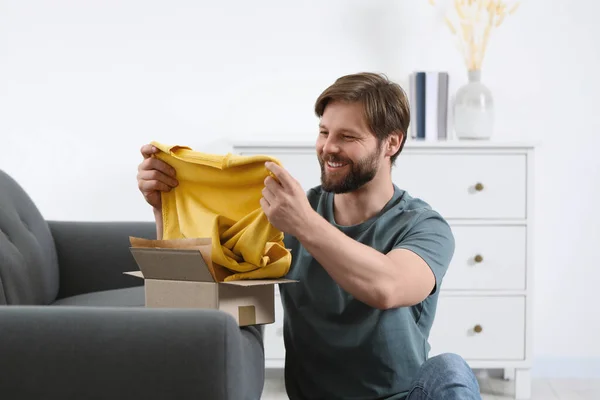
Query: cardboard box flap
point(218, 272)
point(258, 282)
point(172, 264)
point(190, 243)
point(137, 274)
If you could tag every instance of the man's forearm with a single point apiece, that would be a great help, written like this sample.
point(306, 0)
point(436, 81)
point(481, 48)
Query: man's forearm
point(361, 270)
point(159, 223)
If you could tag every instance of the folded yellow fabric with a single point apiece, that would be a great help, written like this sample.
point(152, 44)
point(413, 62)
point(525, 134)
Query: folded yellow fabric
point(218, 196)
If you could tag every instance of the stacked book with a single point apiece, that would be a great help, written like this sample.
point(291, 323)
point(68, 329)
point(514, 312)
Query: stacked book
point(428, 94)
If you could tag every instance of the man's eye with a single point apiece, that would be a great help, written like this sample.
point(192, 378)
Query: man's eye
point(348, 137)
point(323, 133)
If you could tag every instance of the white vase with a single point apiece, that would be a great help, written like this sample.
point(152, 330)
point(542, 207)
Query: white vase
point(473, 109)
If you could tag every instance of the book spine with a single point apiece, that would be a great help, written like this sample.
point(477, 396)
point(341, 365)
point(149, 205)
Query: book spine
point(431, 106)
point(412, 98)
point(443, 83)
point(420, 80)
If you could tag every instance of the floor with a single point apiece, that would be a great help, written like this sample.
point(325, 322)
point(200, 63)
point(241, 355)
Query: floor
point(495, 389)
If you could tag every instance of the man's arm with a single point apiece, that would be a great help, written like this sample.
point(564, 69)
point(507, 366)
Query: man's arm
point(159, 223)
point(400, 278)
point(396, 279)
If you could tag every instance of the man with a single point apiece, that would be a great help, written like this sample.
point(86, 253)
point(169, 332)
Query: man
point(370, 258)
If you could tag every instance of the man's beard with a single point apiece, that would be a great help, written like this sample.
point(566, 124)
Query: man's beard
point(360, 173)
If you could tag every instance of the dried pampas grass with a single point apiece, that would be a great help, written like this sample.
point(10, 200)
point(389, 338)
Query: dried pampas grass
point(471, 22)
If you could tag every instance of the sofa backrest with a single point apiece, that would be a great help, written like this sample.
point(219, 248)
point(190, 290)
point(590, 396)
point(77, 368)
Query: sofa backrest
point(28, 261)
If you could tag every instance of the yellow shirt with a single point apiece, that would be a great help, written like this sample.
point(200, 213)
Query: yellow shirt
point(219, 197)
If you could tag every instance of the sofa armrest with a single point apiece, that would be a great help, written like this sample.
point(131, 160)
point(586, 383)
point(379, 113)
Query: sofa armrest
point(92, 256)
point(54, 352)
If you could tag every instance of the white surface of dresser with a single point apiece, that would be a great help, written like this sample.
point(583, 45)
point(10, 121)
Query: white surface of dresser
point(484, 190)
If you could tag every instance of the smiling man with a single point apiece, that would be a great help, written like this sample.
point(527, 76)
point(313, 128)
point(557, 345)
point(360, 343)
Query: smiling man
point(369, 257)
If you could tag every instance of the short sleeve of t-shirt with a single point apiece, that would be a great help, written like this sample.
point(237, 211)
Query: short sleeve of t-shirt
point(431, 238)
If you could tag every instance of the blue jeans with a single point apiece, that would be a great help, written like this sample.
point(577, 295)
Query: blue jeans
point(445, 377)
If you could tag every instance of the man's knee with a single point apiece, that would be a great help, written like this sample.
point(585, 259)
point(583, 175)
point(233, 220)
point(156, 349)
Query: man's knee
point(448, 376)
point(448, 361)
point(451, 366)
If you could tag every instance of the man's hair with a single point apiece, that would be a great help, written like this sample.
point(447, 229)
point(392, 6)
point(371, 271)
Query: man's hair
point(386, 106)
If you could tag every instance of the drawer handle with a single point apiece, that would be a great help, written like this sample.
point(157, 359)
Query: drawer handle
point(478, 328)
point(478, 258)
point(479, 186)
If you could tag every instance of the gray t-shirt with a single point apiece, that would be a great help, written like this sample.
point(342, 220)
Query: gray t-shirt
point(337, 347)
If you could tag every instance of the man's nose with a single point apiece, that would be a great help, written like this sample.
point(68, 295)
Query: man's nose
point(330, 146)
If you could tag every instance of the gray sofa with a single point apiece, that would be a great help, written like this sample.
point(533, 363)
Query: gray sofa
point(72, 326)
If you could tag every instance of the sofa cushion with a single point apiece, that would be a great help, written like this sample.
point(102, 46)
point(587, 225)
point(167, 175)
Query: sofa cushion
point(128, 297)
point(28, 260)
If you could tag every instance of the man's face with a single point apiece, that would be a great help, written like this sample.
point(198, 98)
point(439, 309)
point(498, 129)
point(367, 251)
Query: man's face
point(348, 152)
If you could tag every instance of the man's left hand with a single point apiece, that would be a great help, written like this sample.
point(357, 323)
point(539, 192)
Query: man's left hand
point(284, 201)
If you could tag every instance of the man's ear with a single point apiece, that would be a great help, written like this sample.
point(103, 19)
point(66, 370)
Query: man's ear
point(394, 140)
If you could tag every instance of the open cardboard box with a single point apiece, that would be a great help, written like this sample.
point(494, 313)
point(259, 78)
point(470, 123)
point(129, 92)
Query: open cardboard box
point(180, 274)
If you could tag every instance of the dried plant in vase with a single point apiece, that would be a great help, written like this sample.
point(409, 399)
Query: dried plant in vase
point(472, 22)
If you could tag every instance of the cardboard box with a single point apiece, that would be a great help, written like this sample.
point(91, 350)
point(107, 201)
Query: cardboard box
point(180, 274)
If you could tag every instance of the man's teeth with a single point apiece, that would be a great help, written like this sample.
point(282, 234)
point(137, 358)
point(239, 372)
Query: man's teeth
point(335, 165)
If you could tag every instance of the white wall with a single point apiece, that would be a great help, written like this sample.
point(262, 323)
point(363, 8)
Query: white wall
point(84, 84)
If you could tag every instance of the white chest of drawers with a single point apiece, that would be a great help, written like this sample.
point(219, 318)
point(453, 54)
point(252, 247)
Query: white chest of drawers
point(485, 191)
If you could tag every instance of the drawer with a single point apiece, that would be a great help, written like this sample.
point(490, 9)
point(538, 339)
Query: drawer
point(488, 257)
point(273, 335)
point(466, 185)
point(484, 186)
point(480, 328)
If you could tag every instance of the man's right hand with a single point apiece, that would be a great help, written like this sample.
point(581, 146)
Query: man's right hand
point(154, 176)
